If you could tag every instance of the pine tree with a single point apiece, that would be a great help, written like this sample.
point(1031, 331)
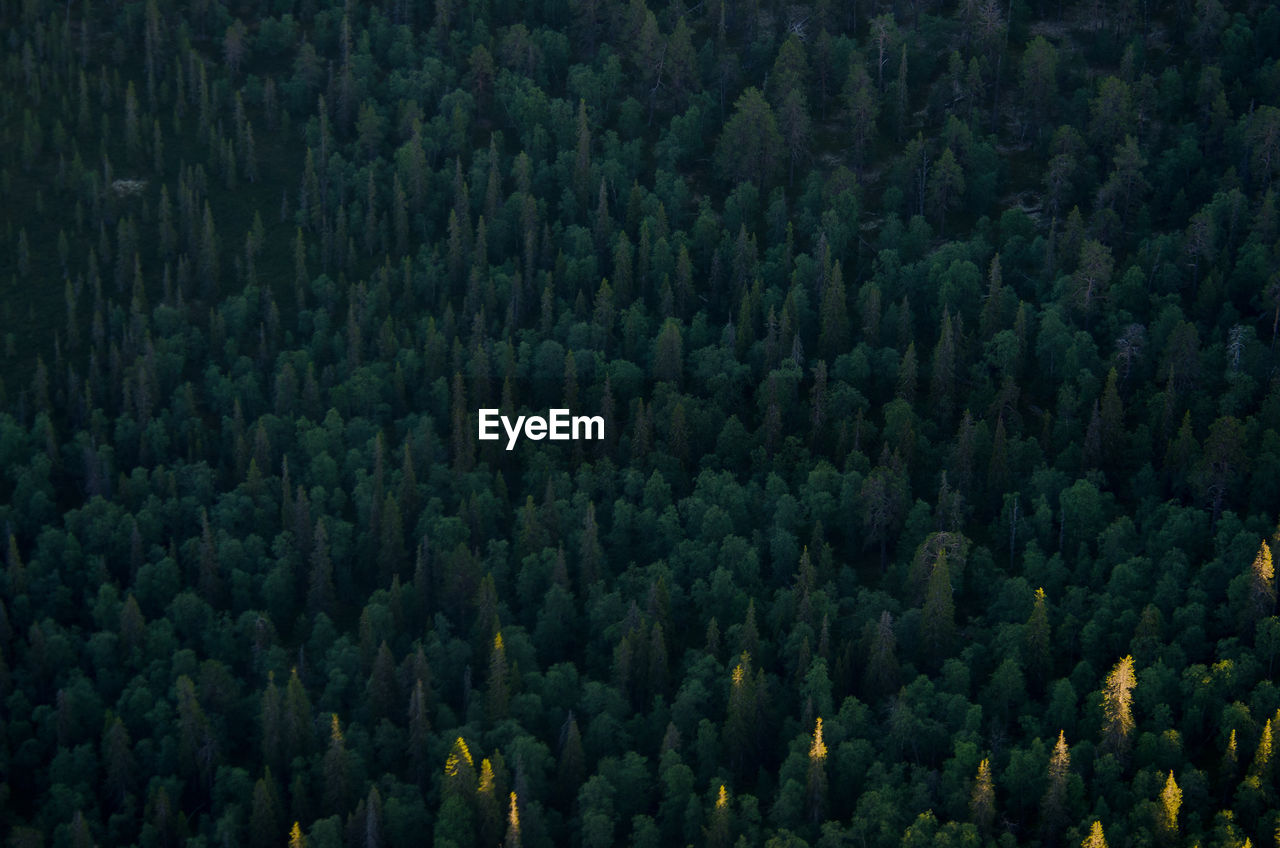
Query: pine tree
point(982, 800)
point(1262, 583)
point(488, 806)
point(512, 839)
point(833, 338)
point(296, 839)
point(718, 832)
point(419, 726)
point(881, 675)
point(210, 584)
point(816, 780)
point(657, 676)
point(1037, 641)
point(750, 144)
point(1117, 700)
point(1167, 815)
point(668, 354)
point(464, 443)
point(1092, 277)
point(572, 765)
point(460, 770)
point(336, 772)
point(497, 697)
point(1053, 807)
point(320, 591)
point(1261, 767)
point(381, 688)
point(301, 276)
point(946, 185)
point(740, 726)
point(117, 760)
point(298, 735)
point(942, 384)
point(992, 317)
point(938, 617)
point(582, 158)
point(749, 635)
point(907, 371)
point(1230, 766)
point(272, 723)
point(590, 552)
point(861, 102)
point(1111, 417)
point(265, 815)
point(198, 747)
point(1095, 839)
point(391, 553)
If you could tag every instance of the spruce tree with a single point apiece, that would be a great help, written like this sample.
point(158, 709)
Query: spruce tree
point(1117, 707)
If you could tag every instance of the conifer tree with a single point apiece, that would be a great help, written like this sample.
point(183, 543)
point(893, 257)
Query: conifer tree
point(1053, 807)
point(298, 736)
point(210, 584)
point(1230, 766)
point(881, 676)
point(942, 383)
point(320, 591)
point(982, 800)
point(272, 723)
point(1262, 583)
point(1170, 804)
point(460, 770)
point(512, 839)
point(572, 765)
point(497, 697)
point(264, 817)
point(1117, 701)
point(1262, 767)
point(718, 832)
point(336, 771)
point(907, 375)
point(382, 685)
point(1095, 839)
point(1039, 661)
point(816, 780)
point(740, 727)
point(117, 759)
point(391, 553)
point(487, 804)
point(833, 336)
point(938, 617)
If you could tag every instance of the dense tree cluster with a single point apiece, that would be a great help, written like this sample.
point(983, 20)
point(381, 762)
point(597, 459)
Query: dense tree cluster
point(936, 345)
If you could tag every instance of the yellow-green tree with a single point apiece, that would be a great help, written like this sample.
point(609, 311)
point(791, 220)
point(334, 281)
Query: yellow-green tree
point(487, 804)
point(816, 780)
point(1261, 766)
point(1117, 707)
point(1167, 815)
point(1262, 583)
point(512, 839)
point(982, 801)
point(718, 831)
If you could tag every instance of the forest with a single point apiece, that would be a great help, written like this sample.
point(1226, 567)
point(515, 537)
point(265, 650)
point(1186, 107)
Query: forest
point(936, 347)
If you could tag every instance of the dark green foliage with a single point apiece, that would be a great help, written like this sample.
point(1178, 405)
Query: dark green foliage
point(936, 347)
